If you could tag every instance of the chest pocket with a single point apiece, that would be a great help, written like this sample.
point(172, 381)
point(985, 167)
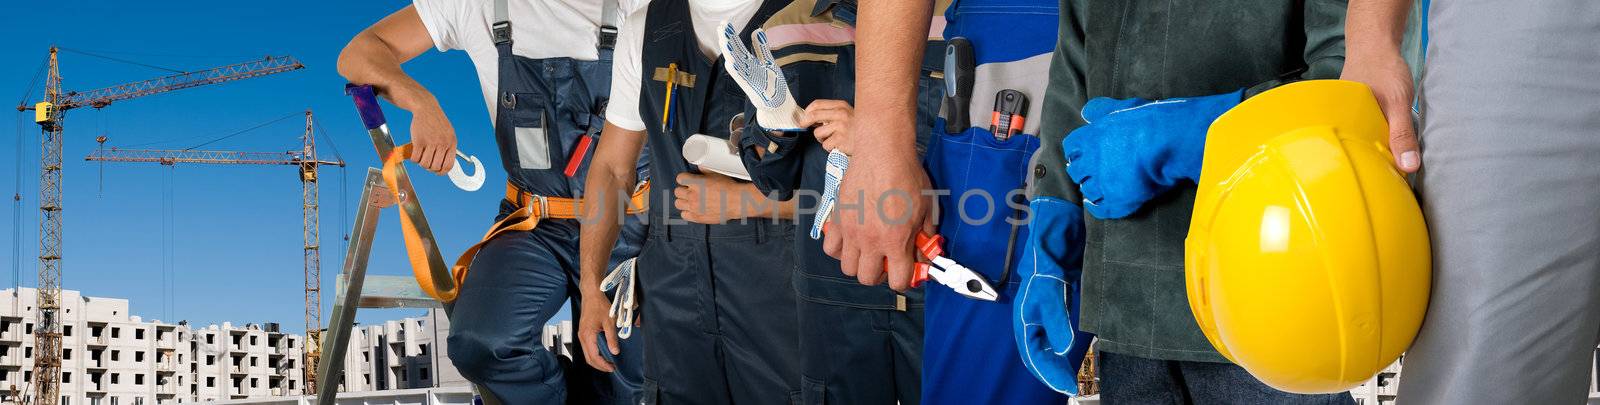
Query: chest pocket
point(533, 144)
point(542, 134)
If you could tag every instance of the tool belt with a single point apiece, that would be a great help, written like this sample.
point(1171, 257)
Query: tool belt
point(530, 210)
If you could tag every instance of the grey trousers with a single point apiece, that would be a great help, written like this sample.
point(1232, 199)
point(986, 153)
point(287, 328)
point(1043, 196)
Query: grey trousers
point(1510, 99)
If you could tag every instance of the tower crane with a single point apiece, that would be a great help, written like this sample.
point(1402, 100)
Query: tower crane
point(50, 114)
point(306, 163)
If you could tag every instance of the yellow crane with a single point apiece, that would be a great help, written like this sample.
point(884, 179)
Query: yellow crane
point(306, 164)
point(50, 114)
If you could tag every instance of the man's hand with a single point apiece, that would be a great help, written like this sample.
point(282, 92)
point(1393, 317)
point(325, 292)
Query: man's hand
point(1374, 30)
point(592, 321)
point(879, 211)
point(433, 140)
point(880, 201)
point(1390, 80)
point(710, 198)
point(831, 119)
point(374, 57)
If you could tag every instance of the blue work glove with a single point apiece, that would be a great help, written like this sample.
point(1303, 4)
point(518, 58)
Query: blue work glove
point(1045, 322)
point(1132, 150)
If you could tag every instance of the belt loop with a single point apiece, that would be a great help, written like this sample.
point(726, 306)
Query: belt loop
point(761, 232)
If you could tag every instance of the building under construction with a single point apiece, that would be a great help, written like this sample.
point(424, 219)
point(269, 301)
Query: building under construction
point(109, 356)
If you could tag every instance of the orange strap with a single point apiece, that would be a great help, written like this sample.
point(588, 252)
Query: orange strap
point(422, 263)
point(530, 210)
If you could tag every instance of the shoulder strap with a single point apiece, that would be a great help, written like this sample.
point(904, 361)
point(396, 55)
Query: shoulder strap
point(610, 18)
point(502, 23)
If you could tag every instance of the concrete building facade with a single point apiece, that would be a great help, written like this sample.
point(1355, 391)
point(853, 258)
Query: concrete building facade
point(400, 354)
point(228, 362)
point(110, 357)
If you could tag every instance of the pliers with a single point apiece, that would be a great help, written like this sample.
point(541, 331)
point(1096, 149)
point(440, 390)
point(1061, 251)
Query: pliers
point(946, 271)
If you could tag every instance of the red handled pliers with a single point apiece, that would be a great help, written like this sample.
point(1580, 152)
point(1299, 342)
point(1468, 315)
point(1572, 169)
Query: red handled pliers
point(946, 271)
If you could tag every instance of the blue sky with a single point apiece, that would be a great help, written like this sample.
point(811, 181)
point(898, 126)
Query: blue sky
point(237, 244)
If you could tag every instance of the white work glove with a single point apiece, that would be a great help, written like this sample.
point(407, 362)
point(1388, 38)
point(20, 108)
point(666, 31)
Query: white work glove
point(838, 162)
point(758, 74)
point(622, 280)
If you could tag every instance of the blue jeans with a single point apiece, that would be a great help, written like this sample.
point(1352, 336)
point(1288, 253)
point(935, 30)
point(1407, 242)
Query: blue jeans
point(1127, 379)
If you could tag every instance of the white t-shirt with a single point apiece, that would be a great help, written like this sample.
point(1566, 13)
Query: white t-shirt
point(539, 29)
point(626, 66)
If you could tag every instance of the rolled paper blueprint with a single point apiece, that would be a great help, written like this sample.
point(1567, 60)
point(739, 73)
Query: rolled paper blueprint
point(715, 155)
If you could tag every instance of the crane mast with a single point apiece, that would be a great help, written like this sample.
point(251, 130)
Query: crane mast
point(50, 114)
point(306, 163)
point(310, 230)
point(47, 331)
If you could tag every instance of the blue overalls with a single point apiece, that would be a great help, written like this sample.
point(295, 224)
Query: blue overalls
point(971, 353)
point(519, 280)
point(718, 306)
point(858, 344)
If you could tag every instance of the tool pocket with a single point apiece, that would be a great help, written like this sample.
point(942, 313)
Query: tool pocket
point(534, 135)
point(533, 145)
point(982, 173)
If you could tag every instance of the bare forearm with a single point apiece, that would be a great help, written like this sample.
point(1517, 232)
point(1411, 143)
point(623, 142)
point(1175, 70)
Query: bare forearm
point(367, 60)
point(891, 36)
point(764, 207)
point(1375, 27)
point(375, 54)
point(598, 234)
point(609, 182)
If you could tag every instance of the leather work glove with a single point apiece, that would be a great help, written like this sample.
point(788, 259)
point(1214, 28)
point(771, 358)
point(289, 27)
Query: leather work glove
point(621, 281)
point(838, 162)
point(761, 79)
point(1045, 319)
point(1132, 150)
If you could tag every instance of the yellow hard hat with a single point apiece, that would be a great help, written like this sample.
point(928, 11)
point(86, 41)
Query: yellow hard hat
point(1307, 258)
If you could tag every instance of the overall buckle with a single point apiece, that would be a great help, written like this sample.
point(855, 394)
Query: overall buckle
point(608, 37)
point(501, 32)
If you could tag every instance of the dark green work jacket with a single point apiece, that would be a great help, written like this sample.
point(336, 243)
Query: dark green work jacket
point(1134, 299)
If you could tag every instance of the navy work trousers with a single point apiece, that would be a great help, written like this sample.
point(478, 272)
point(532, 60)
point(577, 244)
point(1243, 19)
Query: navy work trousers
point(518, 282)
point(860, 356)
point(719, 315)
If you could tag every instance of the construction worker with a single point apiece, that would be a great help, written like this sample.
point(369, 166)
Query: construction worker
point(1510, 110)
point(718, 307)
point(544, 68)
point(999, 50)
point(1137, 84)
point(859, 344)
